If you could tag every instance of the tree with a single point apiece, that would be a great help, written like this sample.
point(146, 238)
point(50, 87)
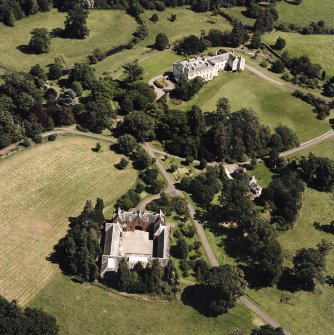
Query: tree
point(278, 66)
point(83, 73)
point(125, 279)
point(97, 147)
point(126, 143)
point(55, 70)
point(75, 23)
point(329, 89)
point(182, 248)
point(67, 98)
point(223, 110)
point(309, 265)
point(140, 125)
point(38, 72)
point(142, 158)
point(280, 43)
point(9, 18)
point(267, 330)
point(238, 35)
point(256, 41)
point(161, 42)
point(97, 116)
point(190, 45)
point(16, 320)
point(40, 40)
point(154, 18)
point(134, 71)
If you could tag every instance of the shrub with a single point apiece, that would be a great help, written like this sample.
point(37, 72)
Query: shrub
point(26, 142)
point(38, 138)
point(122, 164)
point(52, 137)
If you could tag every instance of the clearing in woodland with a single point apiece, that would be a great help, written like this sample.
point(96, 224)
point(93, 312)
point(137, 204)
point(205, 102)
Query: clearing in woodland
point(39, 189)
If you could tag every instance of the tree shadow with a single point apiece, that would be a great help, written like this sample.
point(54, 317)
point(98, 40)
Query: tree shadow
point(197, 296)
point(24, 48)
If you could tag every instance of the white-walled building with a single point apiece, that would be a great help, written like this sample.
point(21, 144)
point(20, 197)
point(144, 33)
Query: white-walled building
point(136, 237)
point(208, 67)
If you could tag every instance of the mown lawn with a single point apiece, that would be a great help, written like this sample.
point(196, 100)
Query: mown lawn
point(187, 22)
point(108, 28)
point(273, 104)
point(320, 48)
point(40, 188)
point(87, 309)
point(308, 11)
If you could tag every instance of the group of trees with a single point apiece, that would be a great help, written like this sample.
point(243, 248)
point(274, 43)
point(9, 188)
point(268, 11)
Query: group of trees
point(169, 204)
point(186, 89)
point(217, 291)
point(321, 107)
point(192, 44)
point(317, 172)
point(152, 279)
point(13, 10)
point(16, 320)
point(284, 195)
point(78, 251)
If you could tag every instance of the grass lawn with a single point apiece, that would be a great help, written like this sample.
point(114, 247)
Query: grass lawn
point(307, 12)
point(320, 48)
point(262, 174)
point(187, 22)
point(309, 314)
point(273, 104)
point(87, 309)
point(238, 13)
point(323, 149)
point(40, 188)
point(108, 28)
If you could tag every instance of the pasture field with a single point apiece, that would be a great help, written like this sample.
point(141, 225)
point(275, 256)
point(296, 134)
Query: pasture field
point(108, 28)
point(40, 188)
point(307, 12)
point(88, 309)
point(274, 105)
point(309, 313)
point(187, 22)
point(238, 13)
point(320, 48)
point(323, 149)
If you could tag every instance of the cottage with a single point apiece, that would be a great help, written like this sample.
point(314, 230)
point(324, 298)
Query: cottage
point(208, 67)
point(137, 237)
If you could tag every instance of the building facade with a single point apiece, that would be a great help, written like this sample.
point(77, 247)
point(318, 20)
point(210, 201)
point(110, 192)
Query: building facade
point(208, 67)
point(137, 237)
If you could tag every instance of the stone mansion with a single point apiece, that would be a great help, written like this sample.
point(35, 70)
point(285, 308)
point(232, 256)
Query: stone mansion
point(208, 67)
point(137, 237)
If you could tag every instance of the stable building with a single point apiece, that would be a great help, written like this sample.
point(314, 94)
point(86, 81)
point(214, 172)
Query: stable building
point(208, 67)
point(137, 237)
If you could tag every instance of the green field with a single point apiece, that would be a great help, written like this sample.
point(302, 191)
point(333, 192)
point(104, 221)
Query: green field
point(238, 13)
point(108, 28)
point(39, 189)
point(87, 309)
point(309, 314)
point(308, 11)
point(320, 48)
point(273, 104)
point(187, 22)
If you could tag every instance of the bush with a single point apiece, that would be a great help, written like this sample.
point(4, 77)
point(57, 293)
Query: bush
point(26, 142)
point(158, 84)
point(52, 137)
point(38, 138)
point(122, 164)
